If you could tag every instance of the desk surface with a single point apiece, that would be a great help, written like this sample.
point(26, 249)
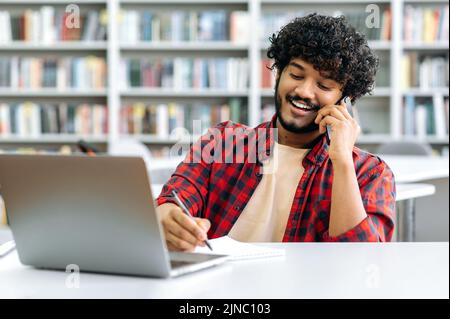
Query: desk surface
point(414, 190)
point(309, 270)
point(411, 169)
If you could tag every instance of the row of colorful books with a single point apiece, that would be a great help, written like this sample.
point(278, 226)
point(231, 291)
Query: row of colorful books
point(178, 25)
point(53, 72)
point(424, 71)
point(426, 116)
point(176, 119)
point(48, 25)
point(30, 119)
point(182, 73)
point(272, 22)
point(425, 24)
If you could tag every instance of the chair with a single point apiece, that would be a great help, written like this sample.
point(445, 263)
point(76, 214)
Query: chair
point(160, 170)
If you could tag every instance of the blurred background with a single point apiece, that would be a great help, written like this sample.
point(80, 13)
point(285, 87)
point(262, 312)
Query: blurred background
point(131, 76)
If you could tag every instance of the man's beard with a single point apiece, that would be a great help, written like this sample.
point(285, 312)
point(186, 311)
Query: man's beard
point(292, 127)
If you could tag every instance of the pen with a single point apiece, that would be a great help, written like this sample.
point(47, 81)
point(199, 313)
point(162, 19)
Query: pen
point(185, 210)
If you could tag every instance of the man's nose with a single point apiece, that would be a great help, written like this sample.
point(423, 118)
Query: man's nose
point(305, 90)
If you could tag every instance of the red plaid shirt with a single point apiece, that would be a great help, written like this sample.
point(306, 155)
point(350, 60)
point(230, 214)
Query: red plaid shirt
point(220, 191)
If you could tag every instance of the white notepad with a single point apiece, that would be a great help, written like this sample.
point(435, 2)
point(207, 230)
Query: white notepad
point(238, 250)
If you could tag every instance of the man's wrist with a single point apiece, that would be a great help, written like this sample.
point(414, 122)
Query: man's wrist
point(345, 162)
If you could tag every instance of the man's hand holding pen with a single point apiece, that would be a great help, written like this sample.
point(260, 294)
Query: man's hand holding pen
point(182, 233)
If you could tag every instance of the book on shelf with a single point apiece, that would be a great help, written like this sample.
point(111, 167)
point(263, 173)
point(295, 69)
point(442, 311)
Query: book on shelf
point(166, 120)
point(183, 73)
point(240, 27)
point(31, 120)
point(425, 23)
point(183, 25)
point(426, 117)
point(53, 72)
point(424, 71)
point(267, 75)
point(272, 22)
point(48, 25)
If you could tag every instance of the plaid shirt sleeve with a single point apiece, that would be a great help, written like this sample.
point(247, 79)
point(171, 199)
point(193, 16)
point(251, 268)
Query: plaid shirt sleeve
point(377, 189)
point(191, 177)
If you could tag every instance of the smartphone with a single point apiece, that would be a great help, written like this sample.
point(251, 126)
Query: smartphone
point(348, 105)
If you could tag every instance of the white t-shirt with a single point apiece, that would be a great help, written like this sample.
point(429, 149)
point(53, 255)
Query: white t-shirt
point(265, 216)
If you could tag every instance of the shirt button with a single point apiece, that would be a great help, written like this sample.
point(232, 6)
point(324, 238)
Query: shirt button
point(237, 207)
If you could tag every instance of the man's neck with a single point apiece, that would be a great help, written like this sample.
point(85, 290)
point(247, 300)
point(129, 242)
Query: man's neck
point(297, 140)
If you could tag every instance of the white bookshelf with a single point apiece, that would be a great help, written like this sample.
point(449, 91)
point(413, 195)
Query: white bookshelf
point(54, 139)
point(150, 92)
point(52, 2)
point(424, 46)
point(185, 46)
point(61, 46)
point(69, 93)
point(386, 100)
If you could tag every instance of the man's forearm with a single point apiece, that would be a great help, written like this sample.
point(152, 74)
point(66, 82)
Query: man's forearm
point(347, 209)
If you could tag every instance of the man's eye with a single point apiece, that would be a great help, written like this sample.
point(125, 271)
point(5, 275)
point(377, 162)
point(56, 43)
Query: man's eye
point(323, 87)
point(296, 77)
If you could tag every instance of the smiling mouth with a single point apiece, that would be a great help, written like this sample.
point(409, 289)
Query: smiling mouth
point(302, 106)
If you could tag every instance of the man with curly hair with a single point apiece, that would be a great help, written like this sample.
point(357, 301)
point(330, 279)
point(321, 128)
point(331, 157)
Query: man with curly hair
point(321, 190)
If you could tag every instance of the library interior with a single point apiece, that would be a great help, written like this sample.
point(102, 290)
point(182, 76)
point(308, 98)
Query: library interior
point(147, 78)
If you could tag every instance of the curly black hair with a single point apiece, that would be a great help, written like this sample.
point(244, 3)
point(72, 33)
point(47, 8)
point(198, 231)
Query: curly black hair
point(332, 46)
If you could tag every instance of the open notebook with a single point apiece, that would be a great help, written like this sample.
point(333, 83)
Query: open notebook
point(238, 250)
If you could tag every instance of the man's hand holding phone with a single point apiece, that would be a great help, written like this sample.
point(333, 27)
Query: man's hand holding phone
point(344, 128)
point(181, 232)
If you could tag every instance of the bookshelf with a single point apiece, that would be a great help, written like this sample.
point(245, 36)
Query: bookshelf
point(38, 35)
point(381, 114)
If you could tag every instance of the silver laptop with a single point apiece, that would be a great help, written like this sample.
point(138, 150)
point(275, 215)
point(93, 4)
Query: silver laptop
point(94, 212)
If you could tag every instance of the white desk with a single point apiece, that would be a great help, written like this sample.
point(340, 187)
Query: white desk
point(309, 270)
point(412, 169)
point(414, 190)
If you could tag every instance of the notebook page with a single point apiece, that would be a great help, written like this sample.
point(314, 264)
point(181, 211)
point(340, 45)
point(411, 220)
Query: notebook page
point(238, 250)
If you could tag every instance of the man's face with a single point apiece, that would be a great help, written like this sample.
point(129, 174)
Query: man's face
point(300, 92)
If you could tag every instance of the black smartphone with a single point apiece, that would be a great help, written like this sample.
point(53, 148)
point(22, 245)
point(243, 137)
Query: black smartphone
point(348, 105)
